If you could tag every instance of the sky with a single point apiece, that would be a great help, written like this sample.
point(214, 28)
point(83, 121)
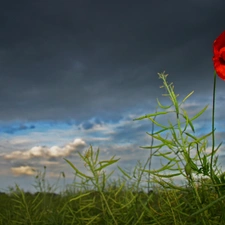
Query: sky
point(76, 73)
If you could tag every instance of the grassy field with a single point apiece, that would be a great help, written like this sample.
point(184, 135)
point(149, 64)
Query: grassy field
point(94, 199)
point(115, 205)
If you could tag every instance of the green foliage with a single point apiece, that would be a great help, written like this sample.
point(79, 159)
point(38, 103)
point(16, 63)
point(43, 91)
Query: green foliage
point(95, 199)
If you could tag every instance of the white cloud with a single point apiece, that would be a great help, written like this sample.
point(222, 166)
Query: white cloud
point(23, 170)
point(41, 151)
point(36, 151)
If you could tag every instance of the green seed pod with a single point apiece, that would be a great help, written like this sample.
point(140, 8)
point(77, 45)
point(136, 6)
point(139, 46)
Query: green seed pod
point(188, 169)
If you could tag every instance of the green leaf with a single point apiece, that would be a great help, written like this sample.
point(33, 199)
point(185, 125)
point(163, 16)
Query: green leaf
point(106, 163)
point(124, 173)
point(163, 182)
point(198, 140)
point(165, 141)
point(79, 196)
point(96, 156)
point(188, 121)
point(199, 113)
point(165, 167)
point(158, 132)
point(162, 106)
point(156, 123)
point(192, 136)
point(78, 172)
point(188, 169)
point(150, 115)
point(204, 160)
point(168, 175)
point(187, 96)
point(193, 165)
point(191, 125)
point(108, 175)
point(120, 188)
point(218, 147)
point(164, 155)
point(152, 147)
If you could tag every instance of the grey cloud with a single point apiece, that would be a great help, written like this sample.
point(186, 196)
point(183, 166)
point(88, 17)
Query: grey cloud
point(79, 59)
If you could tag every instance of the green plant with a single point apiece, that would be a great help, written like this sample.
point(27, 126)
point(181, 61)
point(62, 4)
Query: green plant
point(98, 178)
point(182, 152)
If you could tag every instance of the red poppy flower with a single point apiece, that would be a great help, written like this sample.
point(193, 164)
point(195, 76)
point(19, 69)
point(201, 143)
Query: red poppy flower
point(219, 55)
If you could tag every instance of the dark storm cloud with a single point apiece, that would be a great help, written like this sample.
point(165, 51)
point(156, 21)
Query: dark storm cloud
point(77, 59)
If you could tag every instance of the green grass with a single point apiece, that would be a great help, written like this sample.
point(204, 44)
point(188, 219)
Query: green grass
point(126, 206)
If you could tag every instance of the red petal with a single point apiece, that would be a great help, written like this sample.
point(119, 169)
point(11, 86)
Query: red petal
point(217, 45)
point(220, 41)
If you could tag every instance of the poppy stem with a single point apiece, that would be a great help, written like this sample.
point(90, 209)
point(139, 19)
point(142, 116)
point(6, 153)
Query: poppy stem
point(213, 126)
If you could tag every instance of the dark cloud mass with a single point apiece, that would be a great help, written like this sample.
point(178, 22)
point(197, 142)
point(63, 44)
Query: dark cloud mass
point(14, 129)
point(78, 59)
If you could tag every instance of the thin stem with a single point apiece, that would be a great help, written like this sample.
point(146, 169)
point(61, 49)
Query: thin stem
point(149, 160)
point(213, 125)
point(150, 155)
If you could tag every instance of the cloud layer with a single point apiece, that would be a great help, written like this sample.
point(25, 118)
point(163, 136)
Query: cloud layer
point(80, 60)
point(44, 152)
